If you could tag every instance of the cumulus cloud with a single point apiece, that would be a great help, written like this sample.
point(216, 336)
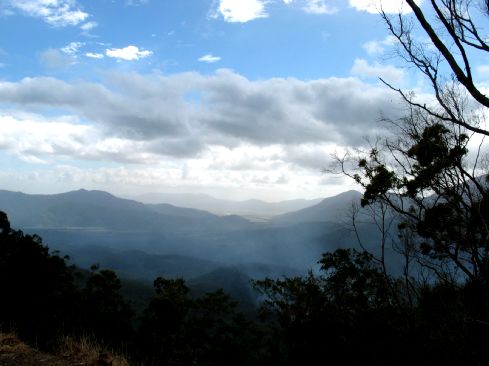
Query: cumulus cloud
point(59, 13)
point(209, 58)
point(388, 6)
point(313, 6)
point(129, 53)
point(318, 7)
point(239, 132)
point(389, 73)
point(375, 48)
point(155, 113)
point(41, 141)
point(239, 11)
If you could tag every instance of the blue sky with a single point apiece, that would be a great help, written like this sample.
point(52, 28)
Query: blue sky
point(236, 98)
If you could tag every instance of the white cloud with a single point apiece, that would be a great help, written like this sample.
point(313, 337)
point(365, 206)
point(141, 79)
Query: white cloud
point(221, 140)
point(88, 26)
point(72, 48)
point(209, 58)
point(94, 55)
point(38, 140)
point(374, 48)
point(313, 6)
point(389, 73)
point(388, 6)
point(231, 110)
point(318, 7)
point(58, 13)
point(129, 53)
point(240, 11)
point(35, 140)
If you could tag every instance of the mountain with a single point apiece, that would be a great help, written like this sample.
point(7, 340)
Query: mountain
point(144, 241)
point(99, 210)
point(171, 210)
point(331, 209)
point(253, 208)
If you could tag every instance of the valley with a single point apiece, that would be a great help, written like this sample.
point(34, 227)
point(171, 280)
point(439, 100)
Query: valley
point(143, 241)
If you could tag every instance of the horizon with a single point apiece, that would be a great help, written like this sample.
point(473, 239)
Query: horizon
point(146, 197)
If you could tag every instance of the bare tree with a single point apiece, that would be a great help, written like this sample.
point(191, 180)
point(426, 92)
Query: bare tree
point(456, 37)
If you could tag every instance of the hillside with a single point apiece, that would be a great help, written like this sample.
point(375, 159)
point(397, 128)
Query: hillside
point(331, 209)
point(103, 211)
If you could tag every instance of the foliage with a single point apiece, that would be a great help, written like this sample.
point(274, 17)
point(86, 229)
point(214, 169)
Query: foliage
point(179, 330)
point(425, 173)
point(346, 313)
point(38, 294)
point(105, 312)
point(436, 186)
point(352, 311)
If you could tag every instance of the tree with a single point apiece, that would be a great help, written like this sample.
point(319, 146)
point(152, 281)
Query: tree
point(433, 174)
point(39, 298)
point(177, 329)
point(347, 312)
point(456, 38)
point(105, 312)
point(426, 173)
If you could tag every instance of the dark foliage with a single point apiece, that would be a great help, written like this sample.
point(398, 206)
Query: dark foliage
point(179, 330)
point(39, 298)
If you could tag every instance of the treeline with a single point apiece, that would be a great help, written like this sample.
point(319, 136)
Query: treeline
point(352, 312)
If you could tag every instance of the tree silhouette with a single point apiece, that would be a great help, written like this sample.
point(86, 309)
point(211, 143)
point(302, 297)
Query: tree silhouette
point(106, 314)
point(39, 299)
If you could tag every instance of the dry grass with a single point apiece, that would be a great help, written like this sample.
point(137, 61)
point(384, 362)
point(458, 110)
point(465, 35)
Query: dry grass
point(10, 343)
point(85, 351)
point(13, 352)
point(80, 352)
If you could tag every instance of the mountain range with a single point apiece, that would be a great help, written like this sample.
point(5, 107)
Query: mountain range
point(255, 209)
point(143, 241)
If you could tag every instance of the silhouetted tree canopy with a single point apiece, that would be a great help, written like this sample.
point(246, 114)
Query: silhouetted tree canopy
point(38, 294)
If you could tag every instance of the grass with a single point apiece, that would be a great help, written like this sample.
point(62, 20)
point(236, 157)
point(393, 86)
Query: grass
point(88, 352)
point(83, 351)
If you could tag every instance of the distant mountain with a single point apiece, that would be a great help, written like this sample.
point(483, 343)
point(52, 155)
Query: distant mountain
point(144, 241)
point(171, 210)
point(331, 209)
point(254, 208)
point(99, 210)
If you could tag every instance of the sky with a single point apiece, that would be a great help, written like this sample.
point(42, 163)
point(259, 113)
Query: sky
point(235, 98)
